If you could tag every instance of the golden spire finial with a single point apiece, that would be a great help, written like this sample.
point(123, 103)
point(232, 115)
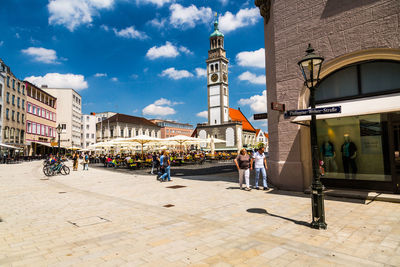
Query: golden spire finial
point(216, 14)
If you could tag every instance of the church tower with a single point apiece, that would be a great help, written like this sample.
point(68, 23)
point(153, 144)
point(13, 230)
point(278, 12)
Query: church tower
point(217, 79)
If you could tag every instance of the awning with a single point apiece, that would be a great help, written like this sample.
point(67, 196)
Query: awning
point(361, 106)
point(42, 143)
point(8, 146)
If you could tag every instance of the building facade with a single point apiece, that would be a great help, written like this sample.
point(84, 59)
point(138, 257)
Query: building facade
point(3, 75)
point(69, 107)
point(262, 137)
point(125, 126)
point(41, 117)
point(173, 128)
point(13, 109)
point(361, 73)
point(88, 136)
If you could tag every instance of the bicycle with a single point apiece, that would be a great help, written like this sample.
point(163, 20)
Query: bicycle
point(56, 168)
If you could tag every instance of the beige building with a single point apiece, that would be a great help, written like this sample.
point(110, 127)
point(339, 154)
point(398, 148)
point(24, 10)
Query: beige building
point(173, 128)
point(41, 117)
point(69, 107)
point(360, 41)
point(124, 126)
point(13, 109)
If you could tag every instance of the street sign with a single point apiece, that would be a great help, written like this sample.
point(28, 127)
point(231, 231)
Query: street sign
point(277, 106)
point(54, 143)
point(313, 111)
point(260, 116)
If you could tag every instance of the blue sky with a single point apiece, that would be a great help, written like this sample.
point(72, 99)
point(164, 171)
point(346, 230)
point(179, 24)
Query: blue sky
point(138, 57)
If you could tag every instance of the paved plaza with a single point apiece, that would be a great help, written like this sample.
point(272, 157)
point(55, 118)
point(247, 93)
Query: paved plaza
point(105, 218)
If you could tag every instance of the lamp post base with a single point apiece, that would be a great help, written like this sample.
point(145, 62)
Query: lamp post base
point(318, 209)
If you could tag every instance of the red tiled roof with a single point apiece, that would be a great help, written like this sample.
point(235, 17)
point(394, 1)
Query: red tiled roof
point(129, 119)
point(237, 115)
point(257, 131)
point(266, 135)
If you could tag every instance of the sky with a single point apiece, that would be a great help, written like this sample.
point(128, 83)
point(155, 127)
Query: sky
point(137, 57)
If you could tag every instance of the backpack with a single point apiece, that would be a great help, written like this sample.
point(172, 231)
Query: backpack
point(165, 162)
point(86, 158)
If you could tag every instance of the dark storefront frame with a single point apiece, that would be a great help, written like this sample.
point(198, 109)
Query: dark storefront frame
point(388, 131)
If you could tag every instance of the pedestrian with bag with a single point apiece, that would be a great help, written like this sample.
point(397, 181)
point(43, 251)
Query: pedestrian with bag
point(75, 158)
point(260, 165)
point(242, 162)
point(167, 168)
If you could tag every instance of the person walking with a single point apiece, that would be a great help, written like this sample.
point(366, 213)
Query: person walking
point(167, 168)
point(242, 162)
point(75, 158)
point(260, 165)
point(155, 163)
point(86, 161)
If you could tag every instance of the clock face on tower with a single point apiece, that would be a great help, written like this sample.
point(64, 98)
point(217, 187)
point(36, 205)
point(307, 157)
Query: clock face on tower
point(214, 77)
point(224, 77)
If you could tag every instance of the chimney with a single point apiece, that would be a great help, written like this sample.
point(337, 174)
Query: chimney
point(44, 86)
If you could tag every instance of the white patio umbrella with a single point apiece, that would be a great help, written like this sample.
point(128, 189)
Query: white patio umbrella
point(143, 139)
point(182, 139)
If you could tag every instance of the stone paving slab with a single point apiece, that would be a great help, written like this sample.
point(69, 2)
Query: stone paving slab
point(212, 223)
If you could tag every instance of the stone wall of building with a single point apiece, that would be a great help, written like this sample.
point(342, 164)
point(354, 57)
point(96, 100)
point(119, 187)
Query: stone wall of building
point(334, 28)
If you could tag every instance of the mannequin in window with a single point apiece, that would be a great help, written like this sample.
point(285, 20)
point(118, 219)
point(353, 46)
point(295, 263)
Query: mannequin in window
point(349, 154)
point(329, 155)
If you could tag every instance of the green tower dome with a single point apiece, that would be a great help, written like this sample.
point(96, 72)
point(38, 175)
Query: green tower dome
point(216, 30)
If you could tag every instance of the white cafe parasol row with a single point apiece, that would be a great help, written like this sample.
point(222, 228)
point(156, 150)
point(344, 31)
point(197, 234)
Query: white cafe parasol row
point(149, 141)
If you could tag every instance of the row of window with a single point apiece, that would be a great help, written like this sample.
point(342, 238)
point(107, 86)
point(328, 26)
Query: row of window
point(13, 102)
point(13, 115)
point(40, 129)
point(18, 85)
point(42, 97)
point(13, 135)
point(41, 112)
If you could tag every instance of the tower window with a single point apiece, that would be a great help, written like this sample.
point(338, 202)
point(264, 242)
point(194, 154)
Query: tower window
point(219, 42)
point(212, 67)
point(216, 66)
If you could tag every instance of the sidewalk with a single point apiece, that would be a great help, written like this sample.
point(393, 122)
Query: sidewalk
point(101, 217)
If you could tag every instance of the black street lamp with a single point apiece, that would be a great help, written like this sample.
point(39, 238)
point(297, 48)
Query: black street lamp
point(310, 67)
point(59, 132)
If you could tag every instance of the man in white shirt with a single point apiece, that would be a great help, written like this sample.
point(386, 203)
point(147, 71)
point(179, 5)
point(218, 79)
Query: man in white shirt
point(260, 165)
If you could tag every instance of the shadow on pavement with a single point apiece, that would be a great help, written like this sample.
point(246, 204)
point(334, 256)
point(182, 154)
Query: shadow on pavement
point(264, 211)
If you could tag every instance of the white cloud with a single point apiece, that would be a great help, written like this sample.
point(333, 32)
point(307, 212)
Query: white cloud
point(203, 114)
point(244, 17)
point(187, 17)
point(200, 72)
point(100, 75)
point(252, 78)
point(130, 33)
point(134, 76)
point(161, 107)
point(41, 54)
point(72, 13)
point(114, 79)
point(1, 43)
point(224, 2)
point(185, 50)
point(57, 80)
point(17, 35)
point(158, 3)
point(251, 58)
point(172, 73)
point(168, 50)
point(257, 103)
point(158, 23)
point(104, 27)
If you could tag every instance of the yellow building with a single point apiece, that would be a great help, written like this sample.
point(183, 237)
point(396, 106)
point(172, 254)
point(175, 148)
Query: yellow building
point(13, 110)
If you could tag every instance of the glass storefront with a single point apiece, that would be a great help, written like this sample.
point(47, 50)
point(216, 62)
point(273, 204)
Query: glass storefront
point(355, 148)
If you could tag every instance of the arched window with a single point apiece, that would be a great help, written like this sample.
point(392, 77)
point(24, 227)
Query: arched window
point(360, 80)
point(219, 42)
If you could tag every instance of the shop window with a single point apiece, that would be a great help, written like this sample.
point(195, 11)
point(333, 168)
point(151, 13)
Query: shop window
point(341, 84)
point(380, 76)
point(361, 80)
point(355, 148)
